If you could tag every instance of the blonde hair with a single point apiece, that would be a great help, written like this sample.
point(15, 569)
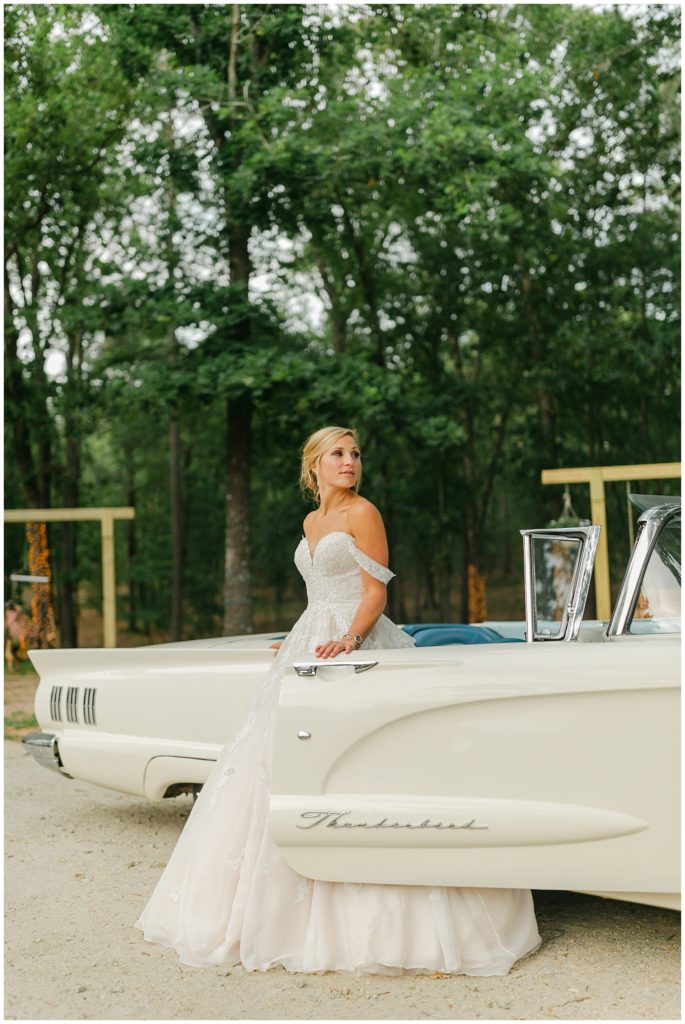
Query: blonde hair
point(316, 445)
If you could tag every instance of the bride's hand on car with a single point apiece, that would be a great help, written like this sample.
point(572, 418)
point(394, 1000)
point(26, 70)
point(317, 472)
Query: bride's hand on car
point(276, 646)
point(334, 647)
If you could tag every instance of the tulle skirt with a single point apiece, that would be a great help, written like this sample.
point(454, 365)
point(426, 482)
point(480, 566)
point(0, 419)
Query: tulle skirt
point(227, 896)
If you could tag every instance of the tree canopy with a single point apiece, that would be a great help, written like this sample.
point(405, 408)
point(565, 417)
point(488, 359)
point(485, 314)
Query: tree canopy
point(453, 227)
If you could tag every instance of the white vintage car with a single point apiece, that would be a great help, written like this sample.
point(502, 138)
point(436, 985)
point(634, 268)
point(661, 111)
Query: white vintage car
point(550, 764)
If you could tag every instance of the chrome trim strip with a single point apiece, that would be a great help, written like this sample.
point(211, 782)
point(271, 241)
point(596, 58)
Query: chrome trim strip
point(651, 523)
point(45, 749)
point(528, 574)
point(308, 668)
point(581, 583)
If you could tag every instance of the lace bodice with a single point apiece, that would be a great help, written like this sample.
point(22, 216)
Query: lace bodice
point(334, 589)
point(332, 573)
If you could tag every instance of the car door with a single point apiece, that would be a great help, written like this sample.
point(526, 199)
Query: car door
point(547, 765)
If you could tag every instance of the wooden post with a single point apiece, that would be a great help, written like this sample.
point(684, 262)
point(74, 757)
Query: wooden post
point(599, 516)
point(109, 597)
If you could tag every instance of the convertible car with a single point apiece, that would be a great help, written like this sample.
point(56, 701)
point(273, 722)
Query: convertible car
point(542, 753)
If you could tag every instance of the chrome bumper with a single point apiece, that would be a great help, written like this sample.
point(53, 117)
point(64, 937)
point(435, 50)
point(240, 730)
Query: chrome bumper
point(43, 746)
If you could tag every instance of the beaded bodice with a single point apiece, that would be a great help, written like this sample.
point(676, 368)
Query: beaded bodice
point(331, 573)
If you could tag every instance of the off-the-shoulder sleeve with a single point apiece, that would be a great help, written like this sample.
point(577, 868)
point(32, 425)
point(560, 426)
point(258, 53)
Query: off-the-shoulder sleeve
point(370, 565)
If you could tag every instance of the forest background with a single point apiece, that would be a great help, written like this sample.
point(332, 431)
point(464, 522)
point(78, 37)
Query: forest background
point(453, 227)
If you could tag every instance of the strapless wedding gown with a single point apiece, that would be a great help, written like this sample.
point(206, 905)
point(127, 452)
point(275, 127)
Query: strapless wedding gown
point(227, 896)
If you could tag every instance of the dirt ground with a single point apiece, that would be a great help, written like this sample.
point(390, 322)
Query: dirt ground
point(82, 861)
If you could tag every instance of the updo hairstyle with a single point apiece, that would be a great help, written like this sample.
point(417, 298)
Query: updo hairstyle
point(316, 445)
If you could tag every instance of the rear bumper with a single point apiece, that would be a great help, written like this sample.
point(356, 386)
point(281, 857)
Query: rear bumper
point(45, 749)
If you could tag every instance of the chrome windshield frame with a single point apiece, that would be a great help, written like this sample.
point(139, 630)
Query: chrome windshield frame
point(580, 584)
point(651, 524)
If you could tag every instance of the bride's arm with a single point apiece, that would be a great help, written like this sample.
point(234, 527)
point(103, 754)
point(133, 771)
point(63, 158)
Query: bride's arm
point(366, 526)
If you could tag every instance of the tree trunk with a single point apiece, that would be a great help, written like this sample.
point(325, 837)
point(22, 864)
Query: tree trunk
point(237, 575)
point(388, 513)
point(367, 282)
point(174, 423)
point(176, 527)
point(445, 567)
point(470, 553)
point(16, 396)
point(67, 574)
point(507, 533)
point(466, 561)
point(67, 578)
point(237, 581)
point(337, 318)
point(539, 356)
point(132, 548)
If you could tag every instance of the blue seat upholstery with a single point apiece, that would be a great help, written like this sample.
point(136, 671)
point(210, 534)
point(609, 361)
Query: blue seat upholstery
point(440, 634)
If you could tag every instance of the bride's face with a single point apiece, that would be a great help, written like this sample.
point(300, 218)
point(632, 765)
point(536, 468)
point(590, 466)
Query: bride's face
point(340, 465)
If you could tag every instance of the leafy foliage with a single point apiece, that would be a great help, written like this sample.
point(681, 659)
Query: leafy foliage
point(478, 202)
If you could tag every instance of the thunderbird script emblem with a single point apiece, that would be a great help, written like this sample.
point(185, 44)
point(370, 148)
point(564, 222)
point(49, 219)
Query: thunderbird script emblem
point(334, 819)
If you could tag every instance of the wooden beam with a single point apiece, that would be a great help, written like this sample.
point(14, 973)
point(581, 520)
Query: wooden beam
point(610, 474)
point(66, 515)
point(647, 471)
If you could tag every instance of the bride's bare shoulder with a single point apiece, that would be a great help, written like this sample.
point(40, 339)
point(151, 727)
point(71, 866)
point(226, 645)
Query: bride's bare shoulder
point(363, 513)
point(367, 528)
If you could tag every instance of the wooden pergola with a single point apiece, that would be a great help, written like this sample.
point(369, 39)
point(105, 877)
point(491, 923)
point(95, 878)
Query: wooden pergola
point(596, 477)
point(106, 517)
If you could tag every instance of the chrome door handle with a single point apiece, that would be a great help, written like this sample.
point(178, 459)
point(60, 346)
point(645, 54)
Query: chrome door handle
point(308, 668)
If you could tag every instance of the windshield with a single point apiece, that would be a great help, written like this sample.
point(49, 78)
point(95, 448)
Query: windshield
point(658, 604)
point(555, 561)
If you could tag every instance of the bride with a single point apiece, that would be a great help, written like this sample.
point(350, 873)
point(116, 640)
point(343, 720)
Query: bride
point(226, 896)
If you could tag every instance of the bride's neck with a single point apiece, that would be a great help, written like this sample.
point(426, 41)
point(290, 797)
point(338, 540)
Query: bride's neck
point(333, 501)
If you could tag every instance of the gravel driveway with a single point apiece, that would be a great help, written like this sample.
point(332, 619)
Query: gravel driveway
point(81, 862)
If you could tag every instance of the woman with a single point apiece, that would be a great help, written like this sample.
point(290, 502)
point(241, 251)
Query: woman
point(226, 895)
